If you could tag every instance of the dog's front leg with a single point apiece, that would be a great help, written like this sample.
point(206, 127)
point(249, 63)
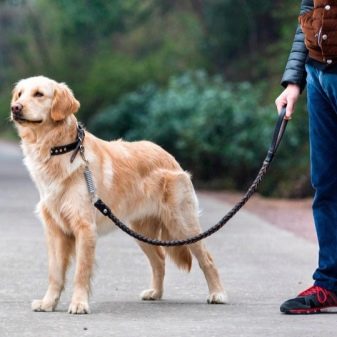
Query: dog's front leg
point(85, 240)
point(60, 249)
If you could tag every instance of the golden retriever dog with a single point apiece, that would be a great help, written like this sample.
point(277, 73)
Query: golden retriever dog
point(141, 183)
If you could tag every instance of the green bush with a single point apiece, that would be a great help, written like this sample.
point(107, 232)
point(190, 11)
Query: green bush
point(218, 131)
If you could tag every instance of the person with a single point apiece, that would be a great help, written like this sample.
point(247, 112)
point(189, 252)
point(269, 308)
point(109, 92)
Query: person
point(313, 61)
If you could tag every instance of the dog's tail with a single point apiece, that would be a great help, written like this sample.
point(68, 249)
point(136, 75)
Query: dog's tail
point(181, 255)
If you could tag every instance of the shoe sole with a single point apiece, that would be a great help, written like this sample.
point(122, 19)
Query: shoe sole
point(311, 311)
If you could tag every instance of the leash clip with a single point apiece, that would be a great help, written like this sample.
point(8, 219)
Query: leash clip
point(83, 154)
point(79, 145)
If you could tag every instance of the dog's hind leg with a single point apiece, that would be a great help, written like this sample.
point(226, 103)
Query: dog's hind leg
point(217, 294)
point(60, 249)
point(182, 221)
point(151, 228)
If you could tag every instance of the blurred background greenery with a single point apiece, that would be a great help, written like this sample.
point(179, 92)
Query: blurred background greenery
point(198, 77)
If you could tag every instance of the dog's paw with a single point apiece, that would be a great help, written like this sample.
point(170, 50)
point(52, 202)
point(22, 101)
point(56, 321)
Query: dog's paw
point(151, 295)
point(217, 298)
point(79, 308)
point(41, 305)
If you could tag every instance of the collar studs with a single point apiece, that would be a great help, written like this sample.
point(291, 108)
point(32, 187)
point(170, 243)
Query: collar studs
point(75, 146)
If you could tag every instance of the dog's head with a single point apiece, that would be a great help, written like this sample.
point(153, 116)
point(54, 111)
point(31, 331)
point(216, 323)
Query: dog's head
point(39, 100)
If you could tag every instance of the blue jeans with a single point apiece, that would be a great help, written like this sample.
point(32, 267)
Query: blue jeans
point(322, 107)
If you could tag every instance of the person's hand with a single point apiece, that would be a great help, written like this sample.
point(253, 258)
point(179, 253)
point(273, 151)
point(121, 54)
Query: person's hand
point(288, 98)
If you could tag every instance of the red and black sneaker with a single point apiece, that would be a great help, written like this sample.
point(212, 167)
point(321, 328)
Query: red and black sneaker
point(311, 301)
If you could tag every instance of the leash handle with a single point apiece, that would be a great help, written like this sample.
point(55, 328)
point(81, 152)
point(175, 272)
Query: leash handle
point(278, 134)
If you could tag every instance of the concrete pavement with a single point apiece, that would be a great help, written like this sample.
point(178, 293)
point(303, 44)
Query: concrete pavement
point(260, 266)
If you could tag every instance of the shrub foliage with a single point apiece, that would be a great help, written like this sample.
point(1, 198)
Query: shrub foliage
point(213, 128)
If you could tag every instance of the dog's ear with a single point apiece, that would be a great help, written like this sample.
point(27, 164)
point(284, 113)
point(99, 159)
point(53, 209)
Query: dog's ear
point(64, 103)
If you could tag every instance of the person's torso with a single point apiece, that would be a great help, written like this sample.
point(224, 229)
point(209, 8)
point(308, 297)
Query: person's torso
point(320, 29)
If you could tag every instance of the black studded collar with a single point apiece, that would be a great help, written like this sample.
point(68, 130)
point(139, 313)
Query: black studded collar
point(75, 146)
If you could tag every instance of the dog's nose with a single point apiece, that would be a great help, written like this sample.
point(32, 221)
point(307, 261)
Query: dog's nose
point(16, 108)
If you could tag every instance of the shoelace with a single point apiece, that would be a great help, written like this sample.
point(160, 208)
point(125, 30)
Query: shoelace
point(322, 294)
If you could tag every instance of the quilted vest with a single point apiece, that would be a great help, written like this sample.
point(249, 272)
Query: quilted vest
point(320, 29)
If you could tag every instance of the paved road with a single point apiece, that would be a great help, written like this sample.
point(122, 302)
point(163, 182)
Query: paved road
point(260, 266)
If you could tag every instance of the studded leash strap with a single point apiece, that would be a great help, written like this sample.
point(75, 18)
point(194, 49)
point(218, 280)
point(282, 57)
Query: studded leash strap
point(277, 137)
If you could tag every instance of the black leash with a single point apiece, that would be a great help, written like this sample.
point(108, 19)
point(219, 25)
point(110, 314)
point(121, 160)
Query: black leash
point(276, 140)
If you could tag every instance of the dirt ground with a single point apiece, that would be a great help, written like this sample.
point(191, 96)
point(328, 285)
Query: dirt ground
point(292, 215)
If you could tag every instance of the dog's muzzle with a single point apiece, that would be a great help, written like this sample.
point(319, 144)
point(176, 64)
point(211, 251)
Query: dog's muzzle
point(17, 114)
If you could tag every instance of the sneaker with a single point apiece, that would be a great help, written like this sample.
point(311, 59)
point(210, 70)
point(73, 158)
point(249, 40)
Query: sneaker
point(311, 301)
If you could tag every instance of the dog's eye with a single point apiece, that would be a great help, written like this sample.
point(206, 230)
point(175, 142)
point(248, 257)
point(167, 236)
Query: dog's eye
point(19, 94)
point(38, 94)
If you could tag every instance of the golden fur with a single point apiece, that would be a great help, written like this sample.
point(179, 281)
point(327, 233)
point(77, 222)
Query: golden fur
point(140, 182)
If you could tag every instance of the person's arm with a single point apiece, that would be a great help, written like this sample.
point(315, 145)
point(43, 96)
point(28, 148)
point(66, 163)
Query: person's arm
point(294, 76)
